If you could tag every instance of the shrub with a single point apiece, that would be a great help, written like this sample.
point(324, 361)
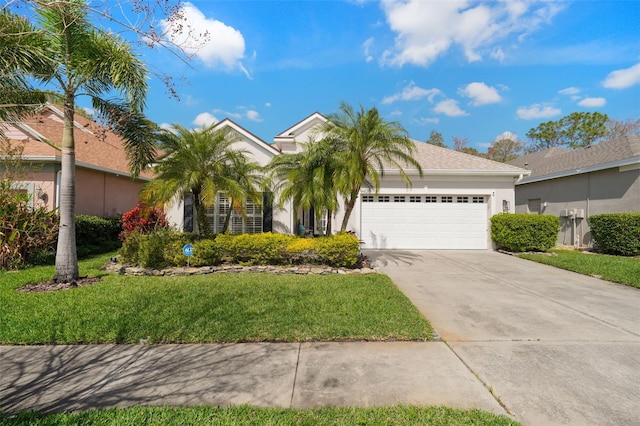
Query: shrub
point(616, 233)
point(339, 250)
point(148, 250)
point(205, 252)
point(143, 219)
point(302, 250)
point(173, 254)
point(524, 232)
point(27, 235)
point(164, 248)
point(95, 235)
point(254, 249)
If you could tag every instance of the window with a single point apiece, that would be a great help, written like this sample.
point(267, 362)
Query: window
point(462, 199)
point(477, 200)
point(367, 198)
point(384, 199)
point(430, 199)
point(399, 199)
point(415, 199)
point(447, 199)
point(217, 215)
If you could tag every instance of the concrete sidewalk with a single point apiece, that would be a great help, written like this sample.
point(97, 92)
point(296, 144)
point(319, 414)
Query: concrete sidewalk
point(297, 375)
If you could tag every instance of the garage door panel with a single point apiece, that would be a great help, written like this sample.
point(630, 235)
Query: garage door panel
point(424, 225)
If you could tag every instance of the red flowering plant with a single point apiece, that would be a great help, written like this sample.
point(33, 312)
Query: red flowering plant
point(142, 219)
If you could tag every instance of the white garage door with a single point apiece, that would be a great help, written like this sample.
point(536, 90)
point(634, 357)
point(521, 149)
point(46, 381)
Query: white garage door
point(424, 221)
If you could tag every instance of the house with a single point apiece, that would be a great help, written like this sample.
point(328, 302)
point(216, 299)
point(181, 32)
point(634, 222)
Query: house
point(104, 185)
point(448, 208)
point(576, 184)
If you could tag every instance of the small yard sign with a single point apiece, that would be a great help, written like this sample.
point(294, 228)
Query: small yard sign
point(188, 250)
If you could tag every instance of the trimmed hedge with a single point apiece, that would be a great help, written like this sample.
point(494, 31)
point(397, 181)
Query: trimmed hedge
point(164, 248)
point(97, 235)
point(616, 233)
point(525, 232)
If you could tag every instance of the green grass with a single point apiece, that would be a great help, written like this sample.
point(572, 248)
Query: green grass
point(245, 415)
point(206, 308)
point(623, 270)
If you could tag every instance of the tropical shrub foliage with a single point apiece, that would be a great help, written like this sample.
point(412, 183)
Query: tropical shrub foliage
point(616, 233)
point(95, 235)
point(27, 234)
point(525, 232)
point(143, 219)
point(163, 248)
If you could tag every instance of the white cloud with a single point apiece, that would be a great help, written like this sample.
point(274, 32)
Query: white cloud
point(244, 113)
point(593, 102)
point(569, 91)
point(480, 94)
point(205, 119)
point(428, 29)
point(622, 79)
point(423, 121)
point(253, 115)
point(267, 104)
point(506, 136)
point(450, 108)
point(412, 93)
point(166, 126)
point(537, 111)
point(498, 54)
point(366, 46)
point(213, 42)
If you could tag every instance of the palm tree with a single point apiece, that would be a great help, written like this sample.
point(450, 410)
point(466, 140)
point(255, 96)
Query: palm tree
point(369, 142)
point(309, 178)
point(202, 163)
point(68, 53)
point(17, 98)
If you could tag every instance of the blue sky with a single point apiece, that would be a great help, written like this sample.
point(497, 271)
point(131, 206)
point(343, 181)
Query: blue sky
point(463, 68)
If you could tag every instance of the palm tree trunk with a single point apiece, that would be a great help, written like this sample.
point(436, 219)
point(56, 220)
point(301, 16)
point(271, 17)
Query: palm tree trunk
point(227, 218)
point(66, 254)
point(348, 209)
point(328, 223)
point(203, 226)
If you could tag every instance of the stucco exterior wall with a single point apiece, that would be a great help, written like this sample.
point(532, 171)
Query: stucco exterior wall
point(103, 194)
point(605, 191)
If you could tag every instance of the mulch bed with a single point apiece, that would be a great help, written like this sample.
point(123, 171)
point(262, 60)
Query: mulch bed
point(55, 286)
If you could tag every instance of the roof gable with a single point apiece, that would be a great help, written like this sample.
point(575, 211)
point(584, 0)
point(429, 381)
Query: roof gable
point(96, 147)
point(557, 162)
point(246, 135)
point(302, 126)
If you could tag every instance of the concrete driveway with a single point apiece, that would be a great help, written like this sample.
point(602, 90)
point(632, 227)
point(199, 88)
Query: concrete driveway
point(554, 347)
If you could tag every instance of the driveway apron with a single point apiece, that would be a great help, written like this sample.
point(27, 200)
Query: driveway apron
point(554, 347)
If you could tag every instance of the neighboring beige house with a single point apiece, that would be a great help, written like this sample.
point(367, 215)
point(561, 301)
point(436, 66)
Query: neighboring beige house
point(104, 186)
point(448, 208)
point(576, 184)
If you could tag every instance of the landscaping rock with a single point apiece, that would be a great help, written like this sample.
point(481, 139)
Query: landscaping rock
point(234, 269)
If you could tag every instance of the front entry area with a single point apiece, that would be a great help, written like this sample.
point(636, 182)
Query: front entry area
point(424, 222)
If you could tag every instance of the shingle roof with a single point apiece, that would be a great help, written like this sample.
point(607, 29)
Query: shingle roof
point(435, 159)
point(94, 144)
point(554, 161)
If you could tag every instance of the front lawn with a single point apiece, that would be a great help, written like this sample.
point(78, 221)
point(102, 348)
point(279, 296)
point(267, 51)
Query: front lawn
point(206, 308)
point(396, 415)
point(623, 270)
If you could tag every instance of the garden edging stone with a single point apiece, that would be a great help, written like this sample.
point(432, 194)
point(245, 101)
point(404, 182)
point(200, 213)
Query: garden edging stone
point(235, 269)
